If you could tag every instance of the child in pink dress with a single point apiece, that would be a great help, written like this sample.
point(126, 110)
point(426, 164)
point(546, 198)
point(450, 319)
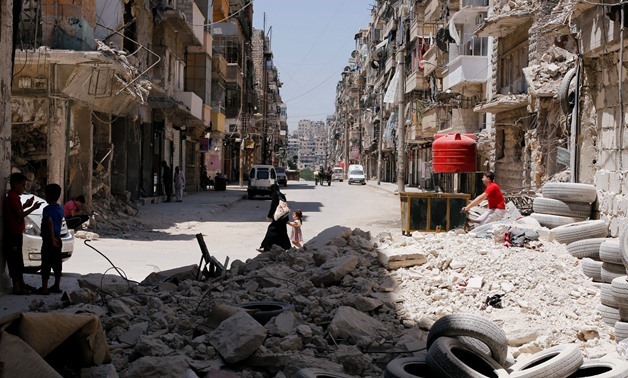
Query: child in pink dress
point(296, 236)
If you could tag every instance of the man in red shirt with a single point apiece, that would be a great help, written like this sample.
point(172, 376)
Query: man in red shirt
point(496, 204)
point(14, 226)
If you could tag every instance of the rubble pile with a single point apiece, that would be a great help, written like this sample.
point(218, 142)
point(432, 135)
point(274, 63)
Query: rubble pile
point(340, 309)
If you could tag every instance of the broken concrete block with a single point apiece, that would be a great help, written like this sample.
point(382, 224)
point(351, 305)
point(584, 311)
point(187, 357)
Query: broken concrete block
point(283, 324)
point(395, 258)
point(334, 270)
point(172, 275)
point(105, 282)
point(220, 312)
point(119, 307)
point(362, 303)
point(237, 337)
point(133, 334)
point(349, 323)
point(79, 296)
point(325, 253)
point(291, 342)
point(326, 237)
point(353, 361)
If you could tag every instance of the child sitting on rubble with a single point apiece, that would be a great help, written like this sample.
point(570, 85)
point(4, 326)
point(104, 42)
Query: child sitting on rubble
point(51, 219)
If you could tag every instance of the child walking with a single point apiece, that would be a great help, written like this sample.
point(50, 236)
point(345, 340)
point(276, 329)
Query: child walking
point(52, 217)
point(297, 236)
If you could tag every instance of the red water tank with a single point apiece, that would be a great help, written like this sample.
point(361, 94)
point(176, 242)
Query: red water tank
point(454, 152)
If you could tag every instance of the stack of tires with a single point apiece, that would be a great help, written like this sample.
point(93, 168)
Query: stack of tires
point(604, 260)
point(563, 203)
point(466, 345)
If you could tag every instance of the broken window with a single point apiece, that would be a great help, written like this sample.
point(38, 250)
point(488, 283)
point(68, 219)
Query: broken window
point(511, 65)
point(500, 139)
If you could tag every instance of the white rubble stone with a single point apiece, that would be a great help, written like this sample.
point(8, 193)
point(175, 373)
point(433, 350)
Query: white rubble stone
point(393, 258)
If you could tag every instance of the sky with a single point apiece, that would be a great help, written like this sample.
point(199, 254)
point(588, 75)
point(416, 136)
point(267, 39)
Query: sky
point(311, 42)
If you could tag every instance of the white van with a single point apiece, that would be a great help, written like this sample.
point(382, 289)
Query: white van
point(261, 177)
point(356, 174)
point(338, 174)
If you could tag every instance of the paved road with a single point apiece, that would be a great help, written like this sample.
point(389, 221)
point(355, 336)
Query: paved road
point(231, 225)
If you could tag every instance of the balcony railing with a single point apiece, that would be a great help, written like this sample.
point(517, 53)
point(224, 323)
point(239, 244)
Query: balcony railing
point(473, 3)
point(471, 46)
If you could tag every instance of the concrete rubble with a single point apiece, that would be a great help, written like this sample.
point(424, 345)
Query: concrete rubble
point(350, 314)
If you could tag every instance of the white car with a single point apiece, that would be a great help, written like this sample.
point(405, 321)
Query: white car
point(357, 176)
point(31, 249)
point(261, 177)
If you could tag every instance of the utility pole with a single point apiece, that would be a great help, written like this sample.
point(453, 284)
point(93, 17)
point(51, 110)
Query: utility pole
point(379, 140)
point(347, 150)
point(401, 126)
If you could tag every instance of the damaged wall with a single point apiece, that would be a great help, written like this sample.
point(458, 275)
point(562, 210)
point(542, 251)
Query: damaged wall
point(6, 30)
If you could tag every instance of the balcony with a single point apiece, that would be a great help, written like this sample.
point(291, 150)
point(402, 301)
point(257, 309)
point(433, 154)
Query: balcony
point(434, 119)
point(219, 66)
point(206, 48)
point(221, 10)
point(432, 10)
point(416, 81)
point(218, 121)
point(234, 74)
point(207, 114)
point(187, 20)
point(434, 62)
point(192, 102)
point(466, 69)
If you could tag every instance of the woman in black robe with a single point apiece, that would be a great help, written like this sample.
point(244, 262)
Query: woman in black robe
point(277, 232)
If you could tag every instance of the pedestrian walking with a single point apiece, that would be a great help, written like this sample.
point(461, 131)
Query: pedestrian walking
point(166, 178)
point(179, 183)
point(14, 226)
point(277, 232)
point(296, 236)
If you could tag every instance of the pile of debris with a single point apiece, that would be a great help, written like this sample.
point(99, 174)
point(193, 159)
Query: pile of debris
point(345, 303)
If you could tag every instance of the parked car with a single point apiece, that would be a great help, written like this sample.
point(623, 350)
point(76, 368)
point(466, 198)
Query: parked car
point(31, 249)
point(356, 175)
point(338, 174)
point(261, 177)
point(282, 178)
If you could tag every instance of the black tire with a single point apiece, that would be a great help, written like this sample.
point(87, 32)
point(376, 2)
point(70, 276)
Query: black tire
point(570, 233)
point(606, 367)
point(570, 192)
point(450, 357)
point(407, 367)
point(619, 289)
point(564, 93)
point(610, 315)
point(559, 361)
point(612, 271)
point(264, 311)
point(319, 373)
point(557, 207)
point(586, 248)
point(474, 326)
point(592, 268)
point(609, 251)
point(552, 221)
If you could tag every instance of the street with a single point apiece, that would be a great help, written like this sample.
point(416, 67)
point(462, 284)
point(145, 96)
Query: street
point(235, 230)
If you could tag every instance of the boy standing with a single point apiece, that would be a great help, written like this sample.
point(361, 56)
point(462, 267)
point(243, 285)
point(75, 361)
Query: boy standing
point(51, 220)
point(14, 227)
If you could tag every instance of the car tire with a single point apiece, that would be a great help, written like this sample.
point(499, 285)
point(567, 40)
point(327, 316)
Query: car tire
point(623, 245)
point(612, 271)
point(619, 289)
point(586, 248)
point(450, 357)
point(570, 233)
point(607, 367)
point(592, 268)
point(570, 192)
point(609, 251)
point(557, 207)
point(610, 315)
point(552, 221)
point(606, 296)
point(474, 326)
point(559, 361)
point(408, 367)
point(263, 311)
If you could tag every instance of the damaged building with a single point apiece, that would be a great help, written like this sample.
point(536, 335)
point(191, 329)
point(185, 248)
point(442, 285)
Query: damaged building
point(103, 92)
point(536, 84)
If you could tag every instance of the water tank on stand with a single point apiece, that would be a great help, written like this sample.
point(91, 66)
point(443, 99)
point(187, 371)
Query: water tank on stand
point(454, 153)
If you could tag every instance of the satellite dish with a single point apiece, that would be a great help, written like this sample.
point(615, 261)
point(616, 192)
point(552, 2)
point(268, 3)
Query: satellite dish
point(347, 69)
point(354, 53)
